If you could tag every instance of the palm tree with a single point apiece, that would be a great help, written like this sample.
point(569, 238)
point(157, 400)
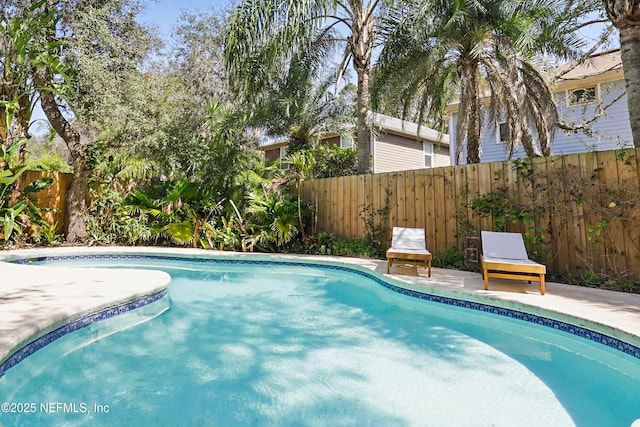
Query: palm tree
point(264, 35)
point(484, 52)
point(625, 16)
point(301, 106)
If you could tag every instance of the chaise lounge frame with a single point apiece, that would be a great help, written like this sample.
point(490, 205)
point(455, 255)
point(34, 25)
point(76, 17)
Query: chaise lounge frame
point(504, 256)
point(408, 246)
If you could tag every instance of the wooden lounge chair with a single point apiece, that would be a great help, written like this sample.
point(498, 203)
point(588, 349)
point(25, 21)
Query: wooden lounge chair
point(408, 246)
point(504, 256)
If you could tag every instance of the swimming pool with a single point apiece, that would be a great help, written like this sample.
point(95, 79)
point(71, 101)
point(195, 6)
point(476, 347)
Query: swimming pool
point(251, 343)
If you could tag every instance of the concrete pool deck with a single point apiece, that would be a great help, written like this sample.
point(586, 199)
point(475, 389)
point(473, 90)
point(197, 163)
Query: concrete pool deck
point(36, 299)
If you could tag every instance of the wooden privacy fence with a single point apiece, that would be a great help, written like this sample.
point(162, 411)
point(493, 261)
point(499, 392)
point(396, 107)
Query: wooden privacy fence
point(580, 212)
point(52, 197)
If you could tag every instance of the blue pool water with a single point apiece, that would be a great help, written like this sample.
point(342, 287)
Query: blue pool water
point(277, 346)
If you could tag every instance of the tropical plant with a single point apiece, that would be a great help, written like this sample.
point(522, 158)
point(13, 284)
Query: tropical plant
point(23, 217)
point(264, 36)
point(176, 210)
point(625, 16)
point(333, 161)
point(479, 51)
point(20, 218)
point(273, 222)
point(301, 106)
point(301, 165)
point(110, 221)
point(157, 205)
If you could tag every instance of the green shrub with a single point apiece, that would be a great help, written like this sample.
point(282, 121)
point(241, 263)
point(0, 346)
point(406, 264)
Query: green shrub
point(329, 244)
point(333, 161)
point(109, 221)
point(450, 258)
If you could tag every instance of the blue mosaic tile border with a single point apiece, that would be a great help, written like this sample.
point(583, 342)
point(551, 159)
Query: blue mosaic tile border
point(569, 328)
point(48, 338)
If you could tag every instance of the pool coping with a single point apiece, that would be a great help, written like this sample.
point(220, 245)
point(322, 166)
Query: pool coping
point(445, 286)
point(38, 304)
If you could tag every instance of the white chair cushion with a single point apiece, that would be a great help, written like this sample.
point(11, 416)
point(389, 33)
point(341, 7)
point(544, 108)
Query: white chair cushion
point(509, 246)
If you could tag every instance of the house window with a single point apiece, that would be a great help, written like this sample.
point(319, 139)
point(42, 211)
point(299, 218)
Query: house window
point(346, 142)
point(502, 133)
point(583, 95)
point(427, 150)
point(283, 154)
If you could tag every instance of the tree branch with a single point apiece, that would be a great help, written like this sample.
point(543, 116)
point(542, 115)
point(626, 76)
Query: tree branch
point(602, 110)
point(603, 38)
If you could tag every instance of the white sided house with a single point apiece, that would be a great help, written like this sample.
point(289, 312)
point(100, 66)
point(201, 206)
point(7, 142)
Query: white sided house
point(581, 93)
point(397, 145)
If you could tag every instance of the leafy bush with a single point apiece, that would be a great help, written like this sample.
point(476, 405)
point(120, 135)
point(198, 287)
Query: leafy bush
point(376, 226)
point(333, 161)
point(20, 218)
point(109, 221)
point(329, 244)
point(450, 258)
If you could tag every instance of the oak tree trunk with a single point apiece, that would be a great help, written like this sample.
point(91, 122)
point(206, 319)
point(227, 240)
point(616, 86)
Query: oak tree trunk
point(77, 192)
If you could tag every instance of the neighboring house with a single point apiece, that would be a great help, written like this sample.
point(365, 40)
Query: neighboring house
point(580, 93)
point(396, 145)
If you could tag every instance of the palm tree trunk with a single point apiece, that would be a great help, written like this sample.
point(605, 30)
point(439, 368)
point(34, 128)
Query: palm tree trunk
point(474, 132)
point(630, 48)
point(76, 195)
point(363, 126)
point(625, 16)
point(362, 50)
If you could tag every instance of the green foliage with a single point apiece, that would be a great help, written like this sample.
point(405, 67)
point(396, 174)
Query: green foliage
point(265, 39)
point(302, 105)
point(376, 222)
point(273, 222)
point(329, 244)
point(502, 208)
point(450, 258)
point(175, 210)
point(594, 234)
point(110, 221)
point(226, 235)
point(46, 234)
point(505, 211)
point(591, 279)
point(196, 55)
point(20, 219)
point(49, 162)
point(333, 161)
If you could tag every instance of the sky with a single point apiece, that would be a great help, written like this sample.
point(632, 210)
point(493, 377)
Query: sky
point(164, 14)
